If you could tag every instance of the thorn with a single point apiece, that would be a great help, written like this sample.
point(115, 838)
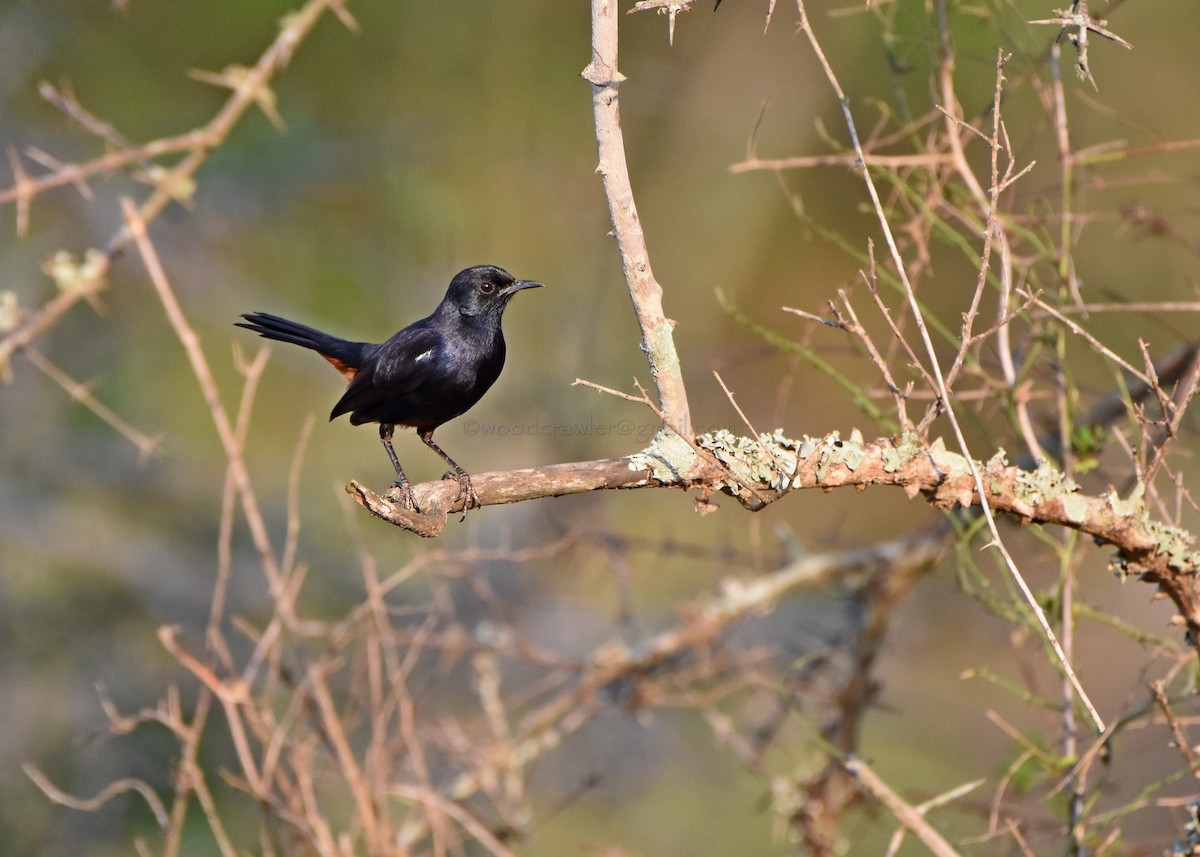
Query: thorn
point(24, 191)
point(52, 163)
point(246, 82)
point(338, 7)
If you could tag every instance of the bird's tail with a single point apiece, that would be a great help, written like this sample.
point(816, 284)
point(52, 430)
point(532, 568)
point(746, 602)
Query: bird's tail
point(345, 356)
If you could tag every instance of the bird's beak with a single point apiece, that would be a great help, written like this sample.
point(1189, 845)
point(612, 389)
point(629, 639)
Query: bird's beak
point(523, 284)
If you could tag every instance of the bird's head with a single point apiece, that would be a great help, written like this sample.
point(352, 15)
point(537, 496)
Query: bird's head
point(484, 290)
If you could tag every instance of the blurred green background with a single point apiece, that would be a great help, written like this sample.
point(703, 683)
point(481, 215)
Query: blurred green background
point(455, 133)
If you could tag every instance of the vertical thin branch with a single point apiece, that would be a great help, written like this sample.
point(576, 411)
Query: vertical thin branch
point(208, 386)
point(252, 372)
point(1070, 739)
point(646, 293)
point(335, 732)
point(189, 776)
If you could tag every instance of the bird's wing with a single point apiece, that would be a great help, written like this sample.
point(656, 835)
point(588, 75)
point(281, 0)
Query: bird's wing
point(395, 368)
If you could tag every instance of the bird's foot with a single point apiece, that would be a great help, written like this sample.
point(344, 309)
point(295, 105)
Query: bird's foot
point(466, 492)
point(402, 493)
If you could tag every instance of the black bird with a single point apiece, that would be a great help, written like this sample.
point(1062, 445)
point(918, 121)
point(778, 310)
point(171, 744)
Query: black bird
point(428, 373)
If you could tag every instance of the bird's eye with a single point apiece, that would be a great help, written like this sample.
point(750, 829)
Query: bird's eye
point(487, 288)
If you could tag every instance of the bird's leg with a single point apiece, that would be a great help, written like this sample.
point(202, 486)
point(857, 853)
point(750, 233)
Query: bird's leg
point(460, 475)
point(405, 493)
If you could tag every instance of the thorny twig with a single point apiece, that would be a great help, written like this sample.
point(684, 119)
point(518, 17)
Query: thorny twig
point(86, 280)
point(941, 389)
point(1078, 22)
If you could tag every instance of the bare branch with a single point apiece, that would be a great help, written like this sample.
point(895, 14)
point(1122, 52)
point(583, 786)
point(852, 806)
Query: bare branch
point(170, 184)
point(102, 797)
point(225, 430)
point(657, 339)
point(898, 807)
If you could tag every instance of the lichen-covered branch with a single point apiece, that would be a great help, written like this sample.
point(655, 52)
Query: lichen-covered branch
point(762, 470)
point(759, 471)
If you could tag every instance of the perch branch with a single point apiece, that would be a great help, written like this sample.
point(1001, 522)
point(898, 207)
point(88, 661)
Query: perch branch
point(1156, 551)
point(438, 500)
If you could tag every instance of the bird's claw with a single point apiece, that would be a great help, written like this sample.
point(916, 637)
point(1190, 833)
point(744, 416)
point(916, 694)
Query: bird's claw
point(402, 493)
point(466, 492)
